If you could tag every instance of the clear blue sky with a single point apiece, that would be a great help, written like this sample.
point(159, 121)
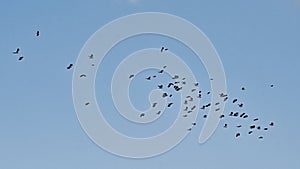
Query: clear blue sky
point(258, 43)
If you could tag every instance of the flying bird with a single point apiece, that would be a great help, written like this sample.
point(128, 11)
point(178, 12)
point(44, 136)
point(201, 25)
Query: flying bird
point(161, 71)
point(142, 114)
point(160, 86)
point(260, 137)
point(255, 119)
point(170, 84)
point(237, 134)
point(252, 126)
point(87, 103)
point(154, 104)
point(158, 113)
point(271, 85)
point(204, 116)
point(91, 56)
point(70, 66)
point(271, 124)
point(222, 116)
point(241, 105)
point(170, 104)
point(131, 76)
point(234, 100)
point(250, 132)
point(17, 51)
point(83, 75)
point(148, 78)
point(20, 58)
point(239, 126)
point(225, 125)
point(175, 77)
point(37, 33)
point(243, 88)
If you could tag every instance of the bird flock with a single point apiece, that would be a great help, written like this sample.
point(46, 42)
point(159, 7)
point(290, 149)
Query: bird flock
point(177, 84)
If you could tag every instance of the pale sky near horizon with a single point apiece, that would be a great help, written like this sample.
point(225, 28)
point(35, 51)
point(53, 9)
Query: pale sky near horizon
point(257, 41)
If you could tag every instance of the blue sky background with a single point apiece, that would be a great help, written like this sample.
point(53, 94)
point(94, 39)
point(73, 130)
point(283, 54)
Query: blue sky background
point(258, 43)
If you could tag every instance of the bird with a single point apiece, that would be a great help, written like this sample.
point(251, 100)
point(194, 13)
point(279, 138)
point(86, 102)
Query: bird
point(194, 124)
point(161, 71)
point(234, 100)
point(237, 134)
point(236, 114)
point(193, 90)
point(231, 114)
point(252, 126)
point(164, 95)
point(148, 78)
point(189, 129)
point(154, 76)
point(258, 127)
point(196, 84)
point(175, 77)
point(164, 66)
point(222, 116)
point(20, 58)
point(204, 116)
point(162, 49)
point(158, 112)
point(142, 114)
point(243, 88)
point(241, 105)
point(260, 137)
point(217, 109)
point(70, 66)
point(271, 85)
point(245, 116)
point(193, 107)
point(207, 105)
point(186, 109)
point(208, 93)
point(217, 103)
point(17, 51)
point(250, 132)
point(91, 56)
point(265, 128)
point(160, 86)
point(203, 107)
point(211, 79)
point(170, 104)
point(190, 111)
point(185, 102)
point(223, 95)
point(87, 103)
point(83, 75)
point(271, 124)
point(154, 104)
point(177, 88)
point(242, 114)
point(131, 76)
point(225, 125)
point(255, 119)
point(37, 33)
point(170, 84)
point(225, 99)
point(184, 115)
point(239, 126)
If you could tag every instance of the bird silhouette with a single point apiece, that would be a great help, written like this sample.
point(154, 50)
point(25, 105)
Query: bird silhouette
point(204, 116)
point(194, 124)
point(170, 104)
point(237, 134)
point(21, 58)
point(271, 85)
point(234, 100)
point(217, 109)
point(17, 51)
point(252, 126)
point(37, 33)
point(242, 114)
point(148, 78)
point(241, 105)
point(164, 95)
point(154, 104)
point(255, 119)
point(91, 56)
point(142, 114)
point(160, 86)
point(161, 71)
point(83, 75)
point(260, 137)
point(87, 103)
point(222, 116)
point(193, 107)
point(70, 66)
point(158, 113)
point(131, 76)
point(243, 88)
point(239, 126)
point(250, 132)
point(225, 125)
point(175, 77)
point(236, 114)
point(271, 124)
point(170, 84)
point(162, 49)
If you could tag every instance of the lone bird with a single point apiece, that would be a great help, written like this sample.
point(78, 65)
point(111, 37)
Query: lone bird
point(20, 58)
point(17, 51)
point(170, 104)
point(160, 86)
point(37, 33)
point(271, 85)
point(83, 75)
point(70, 66)
point(87, 103)
point(131, 76)
point(142, 114)
point(91, 56)
point(271, 124)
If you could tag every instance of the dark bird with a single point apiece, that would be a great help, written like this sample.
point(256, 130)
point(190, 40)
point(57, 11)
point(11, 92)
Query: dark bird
point(17, 51)
point(241, 105)
point(204, 116)
point(83, 75)
point(183, 82)
point(252, 126)
point(193, 90)
point(37, 33)
point(245, 116)
point(255, 119)
point(222, 116)
point(161, 71)
point(160, 86)
point(148, 78)
point(203, 107)
point(20, 58)
point(70, 66)
point(211, 79)
point(236, 114)
point(231, 114)
point(250, 132)
point(223, 95)
point(242, 114)
point(162, 49)
point(271, 85)
point(217, 109)
point(158, 113)
point(225, 125)
point(193, 107)
point(194, 124)
point(170, 104)
point(225, 99)
point(91, 56)
point(239, 126)
point(265, 128)
point(260, 137)
point(207, 105)
point(196, 84)
point(243, 88)
point(177, 88)
point(170, 84)
point(177, 82)
point(142, 114)
point(154, 76)
point(186, 109)
point(165, 67)
point(234, 100)
point(189, 129)
point(190, 111)
point(87, 103)
point(185, 102)
point(271, 124)
point(184, 115)
point(154, 104)
point(237, 134)
point(131, 76)
point(164, 95)
point(208, 93)
point(258, 127)
point(217, 103)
